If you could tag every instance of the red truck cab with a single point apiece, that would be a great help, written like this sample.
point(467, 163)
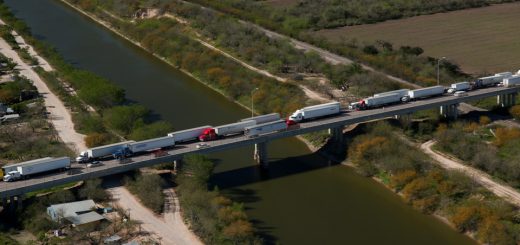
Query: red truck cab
point(208, 134)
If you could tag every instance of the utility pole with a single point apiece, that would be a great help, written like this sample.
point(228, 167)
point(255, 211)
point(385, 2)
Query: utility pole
point(252, 102)
point(438, 69)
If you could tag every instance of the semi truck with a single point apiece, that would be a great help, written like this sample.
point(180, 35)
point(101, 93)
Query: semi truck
point(224, 130)
point(14, 166)
point(462, 86)
point(315, 111)
point(26, 169)
point(188, 134)
point(263, 118)
point(491, 80)
point(511, 81)
point(265, 128)
point(374, 102)
point(101, 151)
point(144, 146)
point(426, 92)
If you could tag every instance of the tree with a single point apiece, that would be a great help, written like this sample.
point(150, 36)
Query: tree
point(152, 130)
point(125, 118)
point(92, 190)
point(96, 139)
point(515, 111)
point(238, 231)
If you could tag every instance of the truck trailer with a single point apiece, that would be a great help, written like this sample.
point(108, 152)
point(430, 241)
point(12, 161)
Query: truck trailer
point(402, 92)
point(462, 86)
point(315, 111)
point(144, 146)
point(224, 130)
point(265, 128)
point(101, 151)
point(426, 92)
point(491, 80)
point(374, 102)
point(188, 134)
point(263, 118)
point(14, 166)
point(26, 169)
point(511, 81)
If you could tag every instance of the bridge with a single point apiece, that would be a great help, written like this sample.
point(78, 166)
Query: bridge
point(447, 105)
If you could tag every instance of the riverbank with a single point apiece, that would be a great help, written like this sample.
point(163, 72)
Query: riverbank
point(137, 44)
point(60, 116)
point(108, 26)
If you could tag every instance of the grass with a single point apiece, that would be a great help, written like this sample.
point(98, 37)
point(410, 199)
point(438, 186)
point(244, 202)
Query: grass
point(50, 190)
point(481, 40)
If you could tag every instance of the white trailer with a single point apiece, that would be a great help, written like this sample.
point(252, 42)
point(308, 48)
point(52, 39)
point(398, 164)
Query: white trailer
point(265, 128)
point(26, 169)
point(462, 86)
point(511, 81)
point(233, 128)
point(101, 151)
point(14, 166)
point(263, 118)
point(381, 100)
point(426, 92)
point(188, 134)
point(401, 92)
point(151, 144)
point(492, 80)
point(315, 111)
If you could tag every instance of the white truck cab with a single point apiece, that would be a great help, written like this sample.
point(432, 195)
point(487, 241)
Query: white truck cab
point(12, 176)
point(297, 116)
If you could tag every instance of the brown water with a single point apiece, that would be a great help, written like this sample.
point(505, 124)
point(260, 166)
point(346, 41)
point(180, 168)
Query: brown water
point(303, 199)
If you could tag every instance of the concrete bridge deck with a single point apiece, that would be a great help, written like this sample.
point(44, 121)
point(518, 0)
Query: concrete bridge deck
point(80, 172)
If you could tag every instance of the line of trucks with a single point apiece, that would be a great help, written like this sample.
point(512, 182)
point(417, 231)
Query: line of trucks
point(506, 79)
point(250, 127)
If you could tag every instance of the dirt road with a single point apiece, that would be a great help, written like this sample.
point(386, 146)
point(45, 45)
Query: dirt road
point(170, 227)
point(59, 115)
point(508, 193)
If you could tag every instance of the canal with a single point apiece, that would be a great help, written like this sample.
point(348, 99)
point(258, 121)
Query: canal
point(303, 199)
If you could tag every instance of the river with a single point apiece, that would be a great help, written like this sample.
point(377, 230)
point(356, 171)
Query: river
point(303, 199)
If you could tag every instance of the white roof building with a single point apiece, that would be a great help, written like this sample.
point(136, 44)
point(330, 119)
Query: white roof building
point(77, 213)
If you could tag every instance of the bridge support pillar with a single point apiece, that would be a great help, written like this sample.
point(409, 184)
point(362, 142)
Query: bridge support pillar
point(449, 111)
point(177, 164)
point(4, 202)
point(260, 154)
point(506, 100)
point(19, 200)
point(336, 134)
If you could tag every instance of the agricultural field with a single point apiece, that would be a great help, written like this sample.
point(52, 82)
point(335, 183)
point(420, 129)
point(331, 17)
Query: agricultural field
point(482, 40)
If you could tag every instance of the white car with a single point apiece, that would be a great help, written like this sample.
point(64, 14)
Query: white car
point(94, 164)
point(460, 93)
point(202, 145)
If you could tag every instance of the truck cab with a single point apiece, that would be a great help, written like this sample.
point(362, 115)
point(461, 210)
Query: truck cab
point(297, 116)
point(82, 157)
point(12, 176)
point(122, 153)
point(208, 134)
point(357, 106)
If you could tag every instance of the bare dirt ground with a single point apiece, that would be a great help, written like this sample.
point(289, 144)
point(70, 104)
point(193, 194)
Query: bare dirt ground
point(169, 227)
point(480, 40)
point(448, 162)
point(59, 115)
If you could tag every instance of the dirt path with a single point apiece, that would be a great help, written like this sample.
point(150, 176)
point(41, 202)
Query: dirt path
point(41, 61)
point(59, 115)
point(508, 193)
point(170, 227)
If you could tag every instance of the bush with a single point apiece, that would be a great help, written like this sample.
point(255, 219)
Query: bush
point(152, 130)
point(515, 111)
point(97, 139)
point(148, 187)
point(125, 118)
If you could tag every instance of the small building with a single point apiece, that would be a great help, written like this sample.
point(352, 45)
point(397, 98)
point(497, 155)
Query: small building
point(77, 213)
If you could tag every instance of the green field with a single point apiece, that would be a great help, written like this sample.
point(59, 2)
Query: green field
point(482, 40)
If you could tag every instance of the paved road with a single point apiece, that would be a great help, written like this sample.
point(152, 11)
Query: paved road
point(79, 172)
point(501, 190)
